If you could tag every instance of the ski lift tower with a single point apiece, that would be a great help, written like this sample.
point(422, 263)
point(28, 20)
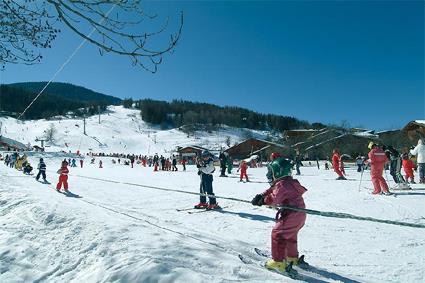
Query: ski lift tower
point(42, 140)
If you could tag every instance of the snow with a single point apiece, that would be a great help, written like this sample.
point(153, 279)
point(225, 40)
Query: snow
point(122, 233)
point(125, 230)
point(420, 121)
point(121, 130)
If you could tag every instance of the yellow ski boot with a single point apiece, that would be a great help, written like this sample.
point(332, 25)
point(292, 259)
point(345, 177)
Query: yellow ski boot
point(279, 266)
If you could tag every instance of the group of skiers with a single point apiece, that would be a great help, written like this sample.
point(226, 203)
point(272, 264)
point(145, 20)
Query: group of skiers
point(21, 163)
point(378, 157)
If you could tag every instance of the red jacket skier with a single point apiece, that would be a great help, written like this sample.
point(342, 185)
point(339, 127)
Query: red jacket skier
point(243, 167)
point(284, 190)
point(336, 157)
point(63, 178)
point(408, 167)
point(377, 159)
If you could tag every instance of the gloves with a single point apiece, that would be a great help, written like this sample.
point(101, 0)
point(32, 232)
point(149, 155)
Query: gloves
point(258, 200)
point(199, 172)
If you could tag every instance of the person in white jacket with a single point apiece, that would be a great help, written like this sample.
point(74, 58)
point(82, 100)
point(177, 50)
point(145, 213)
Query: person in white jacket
point(419, 151)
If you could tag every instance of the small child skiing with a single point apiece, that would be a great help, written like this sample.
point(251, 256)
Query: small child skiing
point(408, 167)
point(63, 178)
point(377, 160)
point(41, 170)
point(243, 167)
point(284, 190)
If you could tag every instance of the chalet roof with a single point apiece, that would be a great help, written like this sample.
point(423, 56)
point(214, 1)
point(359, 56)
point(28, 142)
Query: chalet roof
point(414, 124)
point(12, 143)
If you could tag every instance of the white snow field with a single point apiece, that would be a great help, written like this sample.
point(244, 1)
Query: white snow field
point(119, 232)
point(121, 131)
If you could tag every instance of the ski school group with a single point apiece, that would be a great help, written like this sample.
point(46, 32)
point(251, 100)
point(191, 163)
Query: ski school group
point(284, 190)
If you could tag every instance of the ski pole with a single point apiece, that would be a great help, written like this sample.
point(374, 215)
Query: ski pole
point(361, 178)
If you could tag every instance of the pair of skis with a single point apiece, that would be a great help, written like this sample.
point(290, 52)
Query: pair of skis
point(192, 210)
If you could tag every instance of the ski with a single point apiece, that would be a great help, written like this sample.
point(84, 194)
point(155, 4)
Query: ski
point(205, 210)
point(306, 269)
point(186, 209)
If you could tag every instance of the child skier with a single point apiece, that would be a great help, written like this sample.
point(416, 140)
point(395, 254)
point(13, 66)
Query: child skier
point(41, 170)
point(408, 168)
point(205, 170)
point(377, 159)
point(243, 167)
point(336, 158)
point(284, 190)
point(63, 178)
point(395, 166)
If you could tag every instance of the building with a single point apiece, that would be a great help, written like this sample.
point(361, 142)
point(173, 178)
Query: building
point(262, 148)
point(190, 153)
point(415, 129)
point(11, 145)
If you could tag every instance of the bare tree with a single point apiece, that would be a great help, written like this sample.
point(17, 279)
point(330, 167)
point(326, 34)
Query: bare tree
point(50, 133)
point(28, 26)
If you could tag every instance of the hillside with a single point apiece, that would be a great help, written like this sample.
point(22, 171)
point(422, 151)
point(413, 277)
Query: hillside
point(69, 91)
point(121, 130)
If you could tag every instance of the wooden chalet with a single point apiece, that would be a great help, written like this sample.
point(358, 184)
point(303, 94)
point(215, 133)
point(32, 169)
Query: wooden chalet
point(11, 144)
point(259, 147)
point(415, 130)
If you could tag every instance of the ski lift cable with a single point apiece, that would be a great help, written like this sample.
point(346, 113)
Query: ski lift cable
point(308, 211)
point(66, 62)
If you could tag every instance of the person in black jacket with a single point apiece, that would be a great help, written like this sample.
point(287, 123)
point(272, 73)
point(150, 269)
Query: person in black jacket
point(41, 170)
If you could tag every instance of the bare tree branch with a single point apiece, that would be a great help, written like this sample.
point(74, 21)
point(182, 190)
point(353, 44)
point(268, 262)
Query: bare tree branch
point(27, 27)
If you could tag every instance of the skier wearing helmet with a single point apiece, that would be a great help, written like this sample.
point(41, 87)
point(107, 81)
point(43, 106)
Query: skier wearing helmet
point(377, 159)
point(284, 190)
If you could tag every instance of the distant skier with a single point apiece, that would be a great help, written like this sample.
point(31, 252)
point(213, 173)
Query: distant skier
point(243, 167)
point(174, 161)
point(223, 164)
point(63, 177)
point(205, 169)
point(335, 163)
point(419, 150)
point(184, 163)
point(359, 163)
point(81, 163)
point(408, 167)
point(100, 164)
point(41, 170)
point(73, 162)
point(229, 164)
point(284, 190)
point(298, 162)
point(377, 160)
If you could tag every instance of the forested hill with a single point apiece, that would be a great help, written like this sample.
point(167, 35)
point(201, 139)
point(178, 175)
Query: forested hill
point(179, 113)
point(69, 91)
point(67, 98)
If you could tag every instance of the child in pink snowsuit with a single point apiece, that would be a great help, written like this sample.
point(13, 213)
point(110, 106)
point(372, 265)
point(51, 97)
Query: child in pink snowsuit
point(63, 178)
point(243, 168)
point(284, 190)
point(377, 158)
point(408, 167)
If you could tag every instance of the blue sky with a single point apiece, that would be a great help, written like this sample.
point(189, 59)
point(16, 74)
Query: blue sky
point(320, 61)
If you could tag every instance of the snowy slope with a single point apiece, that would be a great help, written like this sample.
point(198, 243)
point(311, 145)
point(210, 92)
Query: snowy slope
point(122, 233)
point(121, 131)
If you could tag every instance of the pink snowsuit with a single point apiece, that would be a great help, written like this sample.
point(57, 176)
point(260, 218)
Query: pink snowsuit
point(243, 167)
point(335, 163)
point(408, 168)
point(286, 191)
point(378, 159)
